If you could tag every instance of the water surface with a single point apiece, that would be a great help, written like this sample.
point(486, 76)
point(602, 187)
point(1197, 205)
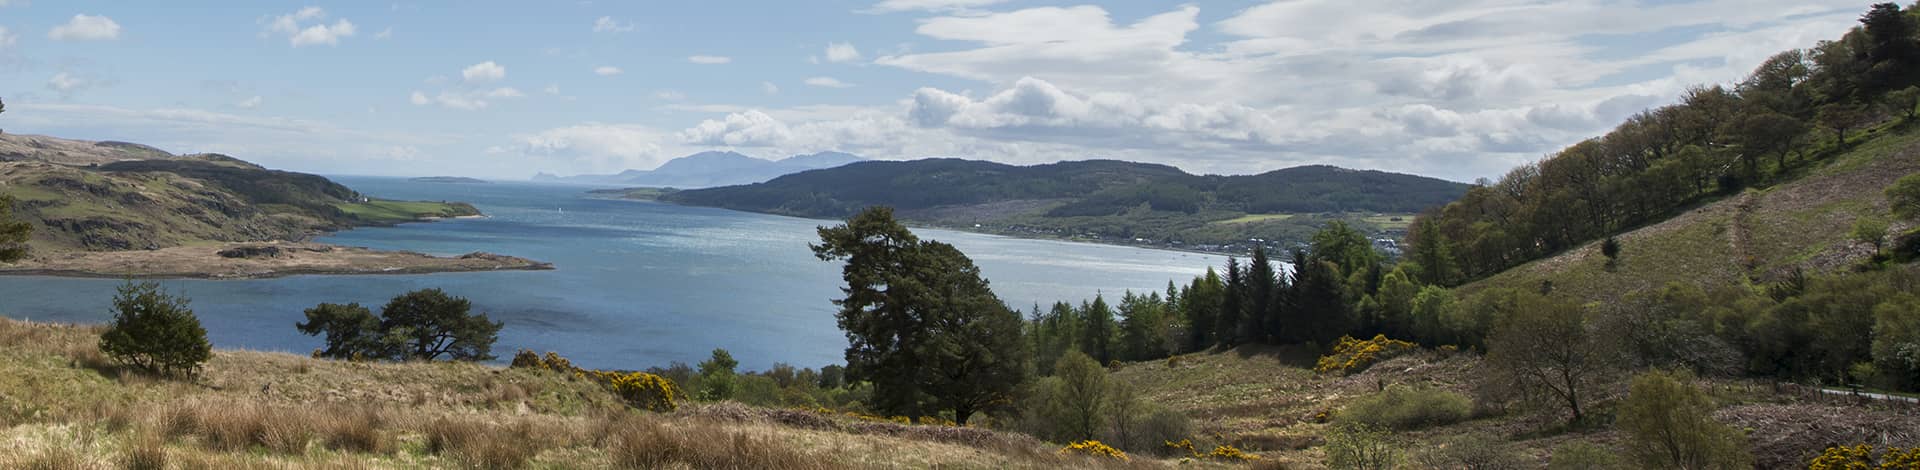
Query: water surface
point(637, 283)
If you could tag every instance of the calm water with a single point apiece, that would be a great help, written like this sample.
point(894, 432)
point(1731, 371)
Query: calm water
point(637, 283)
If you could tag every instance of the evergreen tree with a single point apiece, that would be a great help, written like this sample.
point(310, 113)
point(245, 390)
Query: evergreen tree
point(155, 332)
point(717, 375)
point(1261, 282)
point(428, 324)
point(1097, 337)
point(1202, 307)
point(1143, 327)
point(922, 326)
point(1233, 303)
point(352, 332)
point(1316, 308)
point(13, 233)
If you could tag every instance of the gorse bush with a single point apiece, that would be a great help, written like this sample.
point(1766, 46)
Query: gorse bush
point(1405, 407)
point(155, 332)
point(1863, 457)
point(640, 389)
point(1352, 355)
point(1094, 448)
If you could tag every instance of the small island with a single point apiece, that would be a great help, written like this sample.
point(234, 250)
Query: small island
point(447, 179)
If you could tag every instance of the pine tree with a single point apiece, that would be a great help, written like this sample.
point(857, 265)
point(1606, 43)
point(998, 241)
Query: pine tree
point(13, 233)
point(1232, 304)
point(922, 326)
point(1202, 307)
point(1261, 282)
point(1097, 338)
point(155, 332)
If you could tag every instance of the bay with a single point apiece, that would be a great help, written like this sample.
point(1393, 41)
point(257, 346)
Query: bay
point(638, 284)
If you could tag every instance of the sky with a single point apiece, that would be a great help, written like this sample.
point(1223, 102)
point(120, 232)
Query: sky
point(1455, 89)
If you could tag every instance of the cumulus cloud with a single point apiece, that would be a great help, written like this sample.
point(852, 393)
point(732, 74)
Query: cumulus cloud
point(842, 52)
point(891, 6)
point(484, 72)
point(308, 27)
point(593, 146)
point(464, 100)
point(606, 71)
point(709, 59)
point(86, 28)
point(250, 103)
point(750, 129)
point(769, 88)
point(827, 82)
point(606, 24)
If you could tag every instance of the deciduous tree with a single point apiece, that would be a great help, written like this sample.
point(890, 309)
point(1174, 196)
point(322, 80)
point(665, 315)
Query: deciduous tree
point(155, 332)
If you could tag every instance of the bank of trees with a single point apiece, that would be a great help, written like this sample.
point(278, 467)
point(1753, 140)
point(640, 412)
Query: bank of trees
point(13, 233)
point(422, 325)
point(1797, 106)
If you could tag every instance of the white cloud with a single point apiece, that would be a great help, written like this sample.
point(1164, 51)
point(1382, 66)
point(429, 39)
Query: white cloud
point(418, 98)
point(889, 6)
point(769, 88)
point(607, 71)
point(551, 89)
point(295, 26)
point(484, 72)
point(594, 147)
point(606, 24)
point(384, 34)
point(86, 28)
point(504, 92)
point(842, 52)
point(827, 82)
point(670, 95)
point(749, 129)
point(250, 103)
point(7, 39)
point(68, 84)
point(709, 59)
point(464, 100)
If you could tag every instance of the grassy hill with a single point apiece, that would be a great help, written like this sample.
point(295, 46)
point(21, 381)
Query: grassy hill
point(63, 406)
point(1098, 199)
point(115, 196)
point(1758, 236)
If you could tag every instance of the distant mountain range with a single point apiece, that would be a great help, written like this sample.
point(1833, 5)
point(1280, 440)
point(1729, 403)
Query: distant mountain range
point(709, 169)
point(1076, 188)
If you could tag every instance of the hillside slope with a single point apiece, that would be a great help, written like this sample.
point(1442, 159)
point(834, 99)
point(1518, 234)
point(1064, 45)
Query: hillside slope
point(709, 169)
point(1099, 199)
point(62, 405)
point(1758, 236)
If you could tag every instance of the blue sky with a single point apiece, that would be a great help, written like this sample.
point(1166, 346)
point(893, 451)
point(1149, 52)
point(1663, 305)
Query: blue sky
point(503, 89)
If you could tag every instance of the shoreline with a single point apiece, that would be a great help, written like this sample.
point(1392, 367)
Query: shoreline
point(921, 225)
point(259, 260)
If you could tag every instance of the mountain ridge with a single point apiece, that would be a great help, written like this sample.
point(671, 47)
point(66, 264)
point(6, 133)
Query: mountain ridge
point(711, 168)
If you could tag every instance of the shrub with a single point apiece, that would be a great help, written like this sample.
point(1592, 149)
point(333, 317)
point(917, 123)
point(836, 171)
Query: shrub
point(645, 443)
point(525, 359)
point(1862, 457)
point(1352, 355)
point(652, 392)
point(145, 452)
point(1357, 447)
point(1094, 448)
point(1669, 424)
point(1164, 425)
point(1230, 453)
point(1579, 455)
point(1472, 451)
point(1406, 408)
point(155, 332)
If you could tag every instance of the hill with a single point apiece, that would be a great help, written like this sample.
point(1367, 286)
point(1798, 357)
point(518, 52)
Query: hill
point(102, 208)
point(1099, 199)
point(62, 405)
point(1756, 237)
point(447, 179)
point(706, 169)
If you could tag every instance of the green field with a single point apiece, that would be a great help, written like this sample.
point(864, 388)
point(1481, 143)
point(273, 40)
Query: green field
point(384, 211)
point(1250, 218)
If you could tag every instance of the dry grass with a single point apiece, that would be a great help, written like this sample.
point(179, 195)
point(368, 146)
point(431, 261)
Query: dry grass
point(268, 410)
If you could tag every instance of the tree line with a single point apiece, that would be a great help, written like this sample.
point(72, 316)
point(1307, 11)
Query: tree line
point(1797, 107)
